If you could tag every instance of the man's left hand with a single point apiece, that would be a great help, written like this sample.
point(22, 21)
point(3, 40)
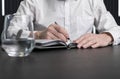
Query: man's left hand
point(94, 40)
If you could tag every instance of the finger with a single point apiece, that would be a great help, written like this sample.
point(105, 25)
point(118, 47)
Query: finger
point(61, 36)
point(48, 37)
point(61, 30)
point(95, 45)
point(81, 38)
point(49, 34)
point(89, 44)
point(57, 34)
point(83, 42)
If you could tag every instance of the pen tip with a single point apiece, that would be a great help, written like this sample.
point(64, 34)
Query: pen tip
point(55, 22)
point(68, 38)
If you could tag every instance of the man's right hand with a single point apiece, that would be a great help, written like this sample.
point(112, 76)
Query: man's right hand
point(54, 31)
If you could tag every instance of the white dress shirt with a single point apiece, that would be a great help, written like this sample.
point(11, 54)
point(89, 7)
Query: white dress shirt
point(76, 16)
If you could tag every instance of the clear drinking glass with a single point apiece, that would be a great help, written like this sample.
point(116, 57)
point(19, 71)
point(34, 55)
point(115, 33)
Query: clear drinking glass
point(17, 36)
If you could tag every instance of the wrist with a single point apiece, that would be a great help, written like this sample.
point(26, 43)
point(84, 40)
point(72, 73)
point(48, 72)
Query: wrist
point(109, 37)
point(37, 34)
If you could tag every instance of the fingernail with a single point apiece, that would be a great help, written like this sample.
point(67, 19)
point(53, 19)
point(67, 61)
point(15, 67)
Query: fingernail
point(84, 47)
point(79, 46)
point(67, 35)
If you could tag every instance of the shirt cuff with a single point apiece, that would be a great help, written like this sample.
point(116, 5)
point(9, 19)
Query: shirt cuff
point(116, 36)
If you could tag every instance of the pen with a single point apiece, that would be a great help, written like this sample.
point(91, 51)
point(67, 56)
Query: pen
point(56, 23)
point(68, 39)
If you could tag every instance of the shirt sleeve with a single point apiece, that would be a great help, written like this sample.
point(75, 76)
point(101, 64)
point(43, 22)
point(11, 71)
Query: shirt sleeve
point(105, 22)
point(26, 8)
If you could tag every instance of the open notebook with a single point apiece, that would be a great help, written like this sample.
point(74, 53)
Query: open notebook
point(49, 44)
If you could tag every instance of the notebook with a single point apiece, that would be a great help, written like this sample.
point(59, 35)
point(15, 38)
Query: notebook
point(49, 44)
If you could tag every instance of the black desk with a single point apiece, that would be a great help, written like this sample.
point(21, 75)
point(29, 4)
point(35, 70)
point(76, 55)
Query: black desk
point(102, 63)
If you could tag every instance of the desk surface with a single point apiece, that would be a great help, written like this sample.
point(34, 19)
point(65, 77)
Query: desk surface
point(102, 63)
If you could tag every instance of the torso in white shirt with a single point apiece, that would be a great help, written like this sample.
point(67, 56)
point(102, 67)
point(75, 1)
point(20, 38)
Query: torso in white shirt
point(75, 16)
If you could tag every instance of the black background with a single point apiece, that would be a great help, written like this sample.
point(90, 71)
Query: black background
point(112, 6)
point(12, 5)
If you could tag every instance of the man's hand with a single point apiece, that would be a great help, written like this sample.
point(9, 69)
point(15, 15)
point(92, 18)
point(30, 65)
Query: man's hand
point(54, 31)
point(94, 40)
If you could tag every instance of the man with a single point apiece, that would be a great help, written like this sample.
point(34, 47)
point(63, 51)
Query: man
point(74, 19)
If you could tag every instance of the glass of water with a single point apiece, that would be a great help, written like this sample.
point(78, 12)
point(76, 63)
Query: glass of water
point(17, 36)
